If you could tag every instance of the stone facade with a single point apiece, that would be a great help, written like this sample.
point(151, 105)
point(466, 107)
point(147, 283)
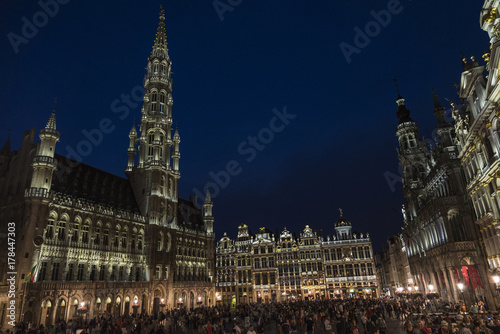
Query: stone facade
point(89, 242)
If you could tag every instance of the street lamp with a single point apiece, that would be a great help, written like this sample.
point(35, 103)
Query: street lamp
point(431, 287)
point(162, 302)
point(199, 301)
point(461, 287)
point(135, 306)
point(82, 309)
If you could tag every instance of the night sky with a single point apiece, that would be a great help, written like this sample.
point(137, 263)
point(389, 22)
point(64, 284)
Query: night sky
point(228, 77)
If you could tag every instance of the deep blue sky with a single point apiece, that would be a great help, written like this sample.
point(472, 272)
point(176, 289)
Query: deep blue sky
point(229, 75)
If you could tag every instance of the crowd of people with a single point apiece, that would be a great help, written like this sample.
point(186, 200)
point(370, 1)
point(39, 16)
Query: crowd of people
point(347, 316)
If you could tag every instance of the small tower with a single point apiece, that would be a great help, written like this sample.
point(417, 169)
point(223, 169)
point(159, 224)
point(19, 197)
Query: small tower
point(413, 157)
point(44, 163)
point(444, 129)
point(343, 227)
point(208, 219)
point(131, 148)
point(176, 155)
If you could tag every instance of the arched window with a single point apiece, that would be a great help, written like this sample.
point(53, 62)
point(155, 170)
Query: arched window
point(154, 101)
point(163, 99)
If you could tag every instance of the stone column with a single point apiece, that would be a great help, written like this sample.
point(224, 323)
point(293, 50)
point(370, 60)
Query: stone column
point(453, 283)
point(444, 274)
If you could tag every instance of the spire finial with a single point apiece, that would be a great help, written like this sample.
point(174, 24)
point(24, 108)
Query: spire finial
point(397, 88)
point(340, 212)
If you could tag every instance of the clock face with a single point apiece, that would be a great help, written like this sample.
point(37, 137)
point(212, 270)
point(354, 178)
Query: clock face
point(38, 241)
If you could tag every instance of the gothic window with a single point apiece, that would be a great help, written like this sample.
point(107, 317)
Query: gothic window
point(120, 274)
point(97, 239)
point(85, 233)
point(124, 239)
point(154, 100)
point(411, 141)
point(159, 242)
point(69, 274)
point(139, 242)
point(80, 272)
point(74, 238)
point(162, 102)
point(49, 230)
point(105, 240)
point(102, 272)
point(92, 273)
point(163, 69)
point(155, 68)
point(55, 271)
point(61, 230)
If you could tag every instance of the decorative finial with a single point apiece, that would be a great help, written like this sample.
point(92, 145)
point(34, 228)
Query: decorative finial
point(437, 104)
point(397, 88)
point(55, 103)
point(340, 212)
point(162, 13)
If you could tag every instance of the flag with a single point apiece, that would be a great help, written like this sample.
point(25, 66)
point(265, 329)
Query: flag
point(31, 275)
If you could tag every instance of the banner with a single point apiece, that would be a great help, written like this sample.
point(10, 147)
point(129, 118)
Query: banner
point(474, 277)
point(466, 276)
point(423, 279)
point(455, 274)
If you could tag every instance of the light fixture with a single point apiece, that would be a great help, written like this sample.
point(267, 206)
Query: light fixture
point(410, 288)
point(496, 279)
point(431, 287)
point(461, 286)
point(416, 288)
point(162, 300)
point(82, 304)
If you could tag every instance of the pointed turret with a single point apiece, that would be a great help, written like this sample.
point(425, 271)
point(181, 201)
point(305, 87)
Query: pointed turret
point(176, 155)
point(131, 148)
point(208, 219)
point(44, 163)
point(444, 129)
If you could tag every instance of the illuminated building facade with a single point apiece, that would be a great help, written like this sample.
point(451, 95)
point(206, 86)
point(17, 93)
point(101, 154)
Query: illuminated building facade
point(288, 265)
point(289, 268)
point(394, 263)
point(477, 126)
point(439, 231)
point(311, 264)
point(89, 242)
point(349, 263)
point(264, 272)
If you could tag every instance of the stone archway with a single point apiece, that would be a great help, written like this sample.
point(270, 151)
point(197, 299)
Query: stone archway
point(45, 315)
point(61, 309)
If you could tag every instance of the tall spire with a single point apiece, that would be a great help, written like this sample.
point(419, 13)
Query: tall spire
point(437, 104)
point(160, 45)
point(51, 124)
